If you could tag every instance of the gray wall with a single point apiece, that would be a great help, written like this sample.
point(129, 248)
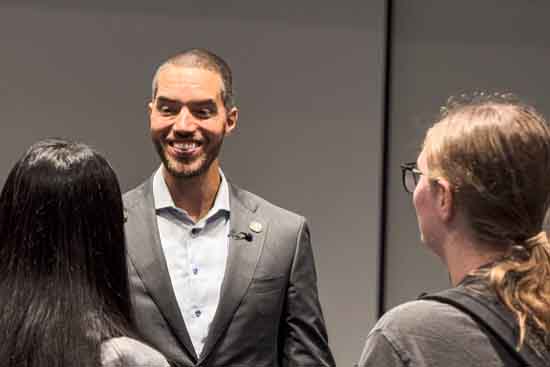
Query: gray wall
point(309, 80)
point(439, 49)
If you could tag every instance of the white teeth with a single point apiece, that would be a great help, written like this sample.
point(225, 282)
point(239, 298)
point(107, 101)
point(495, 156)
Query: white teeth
point(185, 146)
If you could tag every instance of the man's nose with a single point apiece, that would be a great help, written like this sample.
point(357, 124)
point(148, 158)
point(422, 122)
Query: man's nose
point(185, 121)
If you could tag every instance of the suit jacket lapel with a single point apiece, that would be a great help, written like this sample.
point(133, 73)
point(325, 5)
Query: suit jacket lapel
point(146, 253)
point(242, 258)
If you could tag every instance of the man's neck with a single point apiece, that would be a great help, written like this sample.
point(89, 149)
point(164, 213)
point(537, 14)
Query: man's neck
point(195, 195)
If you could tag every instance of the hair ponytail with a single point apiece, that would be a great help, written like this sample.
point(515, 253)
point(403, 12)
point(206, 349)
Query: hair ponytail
point(522, 282)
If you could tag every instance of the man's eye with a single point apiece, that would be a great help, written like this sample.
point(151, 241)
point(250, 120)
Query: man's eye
point(203, 112)
point(167, 110)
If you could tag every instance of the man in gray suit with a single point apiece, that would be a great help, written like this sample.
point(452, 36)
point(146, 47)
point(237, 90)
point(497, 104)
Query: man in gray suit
point(220, 277)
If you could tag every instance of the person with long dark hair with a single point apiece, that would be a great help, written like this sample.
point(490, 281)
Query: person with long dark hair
point(64, 294)
point(481, 190)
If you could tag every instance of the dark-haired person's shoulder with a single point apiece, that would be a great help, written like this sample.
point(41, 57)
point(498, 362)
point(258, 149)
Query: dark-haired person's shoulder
point(128, 352)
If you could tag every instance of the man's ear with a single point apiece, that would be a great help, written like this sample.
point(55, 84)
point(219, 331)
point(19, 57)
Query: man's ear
point(445, 199)
point(231, 121)
point(150, 107)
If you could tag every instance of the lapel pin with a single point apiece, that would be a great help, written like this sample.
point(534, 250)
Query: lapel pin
point(255, 226)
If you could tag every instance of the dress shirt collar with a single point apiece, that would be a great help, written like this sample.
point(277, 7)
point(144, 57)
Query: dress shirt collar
point(163, 199)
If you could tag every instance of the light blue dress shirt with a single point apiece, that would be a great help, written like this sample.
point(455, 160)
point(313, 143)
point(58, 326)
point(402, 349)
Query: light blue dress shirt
point(196, 255)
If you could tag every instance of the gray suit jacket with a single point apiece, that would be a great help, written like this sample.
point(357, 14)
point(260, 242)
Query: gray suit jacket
point(269, 312)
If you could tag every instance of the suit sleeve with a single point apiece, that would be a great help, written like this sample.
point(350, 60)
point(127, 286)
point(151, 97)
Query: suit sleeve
point(303, 335)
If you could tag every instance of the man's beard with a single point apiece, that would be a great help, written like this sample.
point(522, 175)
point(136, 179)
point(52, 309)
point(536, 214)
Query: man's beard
point(177, 168)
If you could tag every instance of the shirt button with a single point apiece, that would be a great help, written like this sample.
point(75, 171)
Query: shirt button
point(195, 232)
point(198, 313)
point(195, 270)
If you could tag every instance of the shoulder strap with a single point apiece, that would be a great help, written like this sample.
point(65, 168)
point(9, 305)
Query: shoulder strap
point(500, 324)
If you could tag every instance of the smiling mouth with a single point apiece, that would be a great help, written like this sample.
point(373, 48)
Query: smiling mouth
point(185, 148)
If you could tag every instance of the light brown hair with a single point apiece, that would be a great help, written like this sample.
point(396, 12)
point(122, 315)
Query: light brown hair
point(495, 152)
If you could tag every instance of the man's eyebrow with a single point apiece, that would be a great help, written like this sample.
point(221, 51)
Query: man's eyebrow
point(166, 100)
point(198, 102)
point(202, 103)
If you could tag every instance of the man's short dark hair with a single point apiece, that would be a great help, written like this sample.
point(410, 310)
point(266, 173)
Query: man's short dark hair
point(202, 59)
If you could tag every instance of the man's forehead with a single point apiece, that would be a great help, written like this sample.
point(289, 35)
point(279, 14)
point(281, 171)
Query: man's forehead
point(189, 74)
point(175, 79)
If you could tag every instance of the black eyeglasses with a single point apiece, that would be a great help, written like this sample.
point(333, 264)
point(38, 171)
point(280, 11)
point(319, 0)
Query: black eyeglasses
point(410, 176)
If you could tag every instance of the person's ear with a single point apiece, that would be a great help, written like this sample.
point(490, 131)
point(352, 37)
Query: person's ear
point(445, 199)
point(231, 121)
point(150, 108)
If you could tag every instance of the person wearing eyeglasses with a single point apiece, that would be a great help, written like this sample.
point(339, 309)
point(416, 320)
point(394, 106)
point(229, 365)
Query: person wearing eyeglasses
point(480, 188)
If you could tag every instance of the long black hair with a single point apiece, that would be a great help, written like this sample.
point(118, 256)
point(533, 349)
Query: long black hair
point(63, 271)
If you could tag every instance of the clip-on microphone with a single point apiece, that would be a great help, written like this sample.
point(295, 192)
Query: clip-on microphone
point(240, 236)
